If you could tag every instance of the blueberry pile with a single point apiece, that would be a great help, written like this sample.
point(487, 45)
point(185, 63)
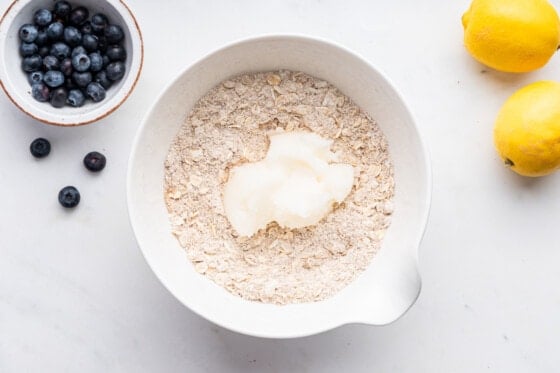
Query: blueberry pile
point(69, 57)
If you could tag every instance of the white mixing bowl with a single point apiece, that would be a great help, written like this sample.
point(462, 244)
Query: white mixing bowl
point(382, 293)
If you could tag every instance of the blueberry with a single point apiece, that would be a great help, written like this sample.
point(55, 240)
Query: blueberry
point(55, 31)
point(70, 85)
point(86, 28)
point(58, 97)
point(42, 17)
point(69, 197)
point(35, 77)
point(72, 36)
point(28, 49)
point(106, 60)
point(42, 38)
point(79, 15)
point(51, 63)
point(96, 62)
point(81, 62)
point(116, 53)
point(102, 44)
point(62, 9)
point(40, 92)
point(75, 98)
point(95, 161)
point(31, 63)
point(99, 23)
point(96, 92)
point(115, 71)
point(54, 78)
point(101, 78)
point(78, 50)
point(60, 50)
point(89, 42)
point(66, 67)
point(114, 33)
point(44, 51)
point(40, 147)
point(28, 33)
point(81, 79)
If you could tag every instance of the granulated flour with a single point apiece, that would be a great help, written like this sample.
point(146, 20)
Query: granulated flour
point(228, 126)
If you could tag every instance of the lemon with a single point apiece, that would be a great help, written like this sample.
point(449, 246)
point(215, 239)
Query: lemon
point(511, 35)
point(527, 130)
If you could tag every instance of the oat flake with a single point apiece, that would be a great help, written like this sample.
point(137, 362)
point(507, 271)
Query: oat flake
point(229, 126)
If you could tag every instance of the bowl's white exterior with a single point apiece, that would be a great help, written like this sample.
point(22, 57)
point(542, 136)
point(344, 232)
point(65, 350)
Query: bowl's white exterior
point(14, 81)
point(378, 296)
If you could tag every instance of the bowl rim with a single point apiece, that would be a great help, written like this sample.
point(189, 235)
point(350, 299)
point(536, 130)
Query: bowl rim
point(111, 109)
point(426, 165)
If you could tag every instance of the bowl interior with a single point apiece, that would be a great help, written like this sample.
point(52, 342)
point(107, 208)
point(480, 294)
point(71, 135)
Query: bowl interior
point(14, 80)
point(380, 294)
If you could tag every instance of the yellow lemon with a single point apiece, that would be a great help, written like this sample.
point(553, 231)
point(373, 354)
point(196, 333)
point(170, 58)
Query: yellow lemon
point(527, 130)
point(512, 35)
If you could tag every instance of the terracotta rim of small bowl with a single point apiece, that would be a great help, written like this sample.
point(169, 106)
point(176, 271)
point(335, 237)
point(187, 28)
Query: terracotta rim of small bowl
point(112, 109)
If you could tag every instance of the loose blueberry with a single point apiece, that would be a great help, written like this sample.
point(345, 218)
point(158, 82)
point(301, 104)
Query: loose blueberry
point(69, 197)
point(95, 161)
point(79, 15)
point(72, 36)
point(101, 78)
point(54, 78)
point(81, 79)
point(28, 49)
point(116, 52)
point(98, 23)
point(81, 62)
point(44, 51)
point(58, 97)
point(90, 42)
point(75, 98)
point(115, 71)
point(60, 50)
point(114, 33)
point(78, 50)
point(31, 63)
point(40, 147)
point(96, 92)
point(28, 33)
point(35, 77)
point(55, 31)
point(51, 63)
point(42, 17)
point(40, 92)
point(62, 9)
point(42, 38)
point(96, 62)
point(86, 28)
point(66, 67)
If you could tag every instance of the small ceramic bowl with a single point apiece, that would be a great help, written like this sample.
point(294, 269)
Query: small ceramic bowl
point(14, 81)
point(384, 291)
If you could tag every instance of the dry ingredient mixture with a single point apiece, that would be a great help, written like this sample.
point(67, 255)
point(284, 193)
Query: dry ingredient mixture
point(229, 126)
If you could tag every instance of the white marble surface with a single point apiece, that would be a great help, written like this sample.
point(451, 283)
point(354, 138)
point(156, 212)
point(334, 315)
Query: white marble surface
point(76, 295)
